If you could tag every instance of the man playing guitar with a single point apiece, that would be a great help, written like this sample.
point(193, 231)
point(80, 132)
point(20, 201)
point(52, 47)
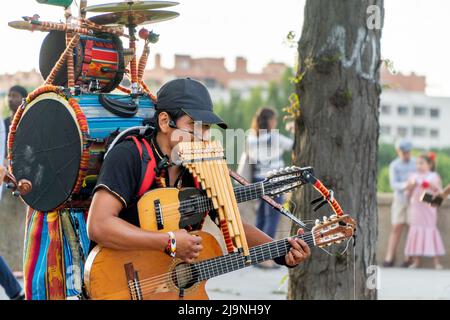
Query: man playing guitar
point(113, 216)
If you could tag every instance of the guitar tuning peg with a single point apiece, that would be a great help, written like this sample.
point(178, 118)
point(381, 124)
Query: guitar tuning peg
point(317, 222)
point(333, 216)
point(325, 219)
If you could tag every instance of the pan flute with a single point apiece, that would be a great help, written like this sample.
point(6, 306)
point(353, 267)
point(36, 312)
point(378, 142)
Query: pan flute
point(205, 160)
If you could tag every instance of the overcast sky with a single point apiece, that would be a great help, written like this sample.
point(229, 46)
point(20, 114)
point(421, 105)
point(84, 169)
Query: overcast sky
point(415, 35)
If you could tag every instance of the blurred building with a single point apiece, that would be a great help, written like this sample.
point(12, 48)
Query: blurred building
point(407, 112)
point(28, 79)
point(213, 73)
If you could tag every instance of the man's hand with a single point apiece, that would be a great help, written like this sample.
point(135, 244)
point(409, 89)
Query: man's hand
point(299, 251)
point(188, 246)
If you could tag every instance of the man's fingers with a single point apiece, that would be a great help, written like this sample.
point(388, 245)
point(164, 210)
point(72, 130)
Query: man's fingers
point(195, 255)
point(290, 259)
point(297, 254)
point(198, 239)
point(295, 244)
point(305, 247)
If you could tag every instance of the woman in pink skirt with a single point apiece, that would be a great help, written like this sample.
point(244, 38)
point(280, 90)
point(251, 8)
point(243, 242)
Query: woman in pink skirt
point(424, 239)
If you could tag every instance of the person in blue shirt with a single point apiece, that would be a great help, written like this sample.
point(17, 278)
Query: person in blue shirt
point(399, 171)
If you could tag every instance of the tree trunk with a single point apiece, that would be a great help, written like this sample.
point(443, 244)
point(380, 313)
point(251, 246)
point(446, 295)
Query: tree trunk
point(337, 134)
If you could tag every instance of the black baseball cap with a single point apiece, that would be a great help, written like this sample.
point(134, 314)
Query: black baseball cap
point(190, 96)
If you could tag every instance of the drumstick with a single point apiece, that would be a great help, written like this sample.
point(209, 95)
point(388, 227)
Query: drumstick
point(143, 62)
point(70, 64)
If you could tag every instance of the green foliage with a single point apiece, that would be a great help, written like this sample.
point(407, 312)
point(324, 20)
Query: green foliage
point(239, 111)
point(383, 180)
point(386, 153)
point(443, 167)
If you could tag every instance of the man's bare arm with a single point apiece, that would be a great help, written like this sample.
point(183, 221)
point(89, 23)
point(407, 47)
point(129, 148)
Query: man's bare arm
point(106, 228)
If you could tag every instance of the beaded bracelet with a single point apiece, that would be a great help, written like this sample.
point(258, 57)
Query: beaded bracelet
point(171, 248)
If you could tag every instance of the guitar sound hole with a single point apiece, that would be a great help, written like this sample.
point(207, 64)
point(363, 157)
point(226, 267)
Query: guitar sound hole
point(184, 276)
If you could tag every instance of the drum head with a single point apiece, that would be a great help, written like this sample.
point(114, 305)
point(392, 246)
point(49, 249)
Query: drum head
point(53, 46)
point(47, 151)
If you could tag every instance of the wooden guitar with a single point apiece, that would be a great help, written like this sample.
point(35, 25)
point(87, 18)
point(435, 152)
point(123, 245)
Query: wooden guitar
point(168, 209)
point(153, 275)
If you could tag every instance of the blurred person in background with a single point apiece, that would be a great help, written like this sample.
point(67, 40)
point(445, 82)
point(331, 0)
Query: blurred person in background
point(265, 148)
point(15, 96)
point(424, 239)
point(399, 171)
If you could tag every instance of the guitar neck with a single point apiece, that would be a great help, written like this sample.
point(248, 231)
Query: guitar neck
point(234, 261)
point(242, 193)
point(250, 192)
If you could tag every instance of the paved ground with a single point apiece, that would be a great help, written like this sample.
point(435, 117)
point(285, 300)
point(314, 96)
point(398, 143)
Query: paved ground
point(259, 284)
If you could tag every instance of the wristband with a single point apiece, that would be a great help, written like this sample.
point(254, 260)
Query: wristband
point(171, 248)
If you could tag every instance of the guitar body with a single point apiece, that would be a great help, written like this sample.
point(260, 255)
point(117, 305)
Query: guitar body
point(159, 209)
point(108, 273)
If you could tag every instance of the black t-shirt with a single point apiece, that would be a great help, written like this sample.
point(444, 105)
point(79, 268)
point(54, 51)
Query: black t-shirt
point(120, 174)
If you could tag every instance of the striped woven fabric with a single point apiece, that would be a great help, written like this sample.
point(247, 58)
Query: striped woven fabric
point(56, 245)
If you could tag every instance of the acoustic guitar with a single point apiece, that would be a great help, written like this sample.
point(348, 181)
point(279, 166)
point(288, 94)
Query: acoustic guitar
point(168, 209)
point(153, 275)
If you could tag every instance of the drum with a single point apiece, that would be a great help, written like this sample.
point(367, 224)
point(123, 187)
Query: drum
point(98, 61)
point(58, 143)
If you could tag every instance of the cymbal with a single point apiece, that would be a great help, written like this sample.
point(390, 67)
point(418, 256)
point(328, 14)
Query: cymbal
point(22, 25)
point(130, 5)
point(134, 18)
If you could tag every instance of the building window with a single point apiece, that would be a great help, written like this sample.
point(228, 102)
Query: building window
point(419, 132)
point(385, 130)
point(210, 83)
point(402, 110)
point(434, 113)
point(419, 111)
point(385, 109)
point(402, 132)
point(434, 133)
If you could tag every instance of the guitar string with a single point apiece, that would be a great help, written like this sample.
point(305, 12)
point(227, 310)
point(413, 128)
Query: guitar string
point(206, 203)
point(235, 261)
point(235, 258)
point(204, 206)
point(211, 264)
point(148, 288)
point(308, 237)
point(210, 271)
point(354, 269)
